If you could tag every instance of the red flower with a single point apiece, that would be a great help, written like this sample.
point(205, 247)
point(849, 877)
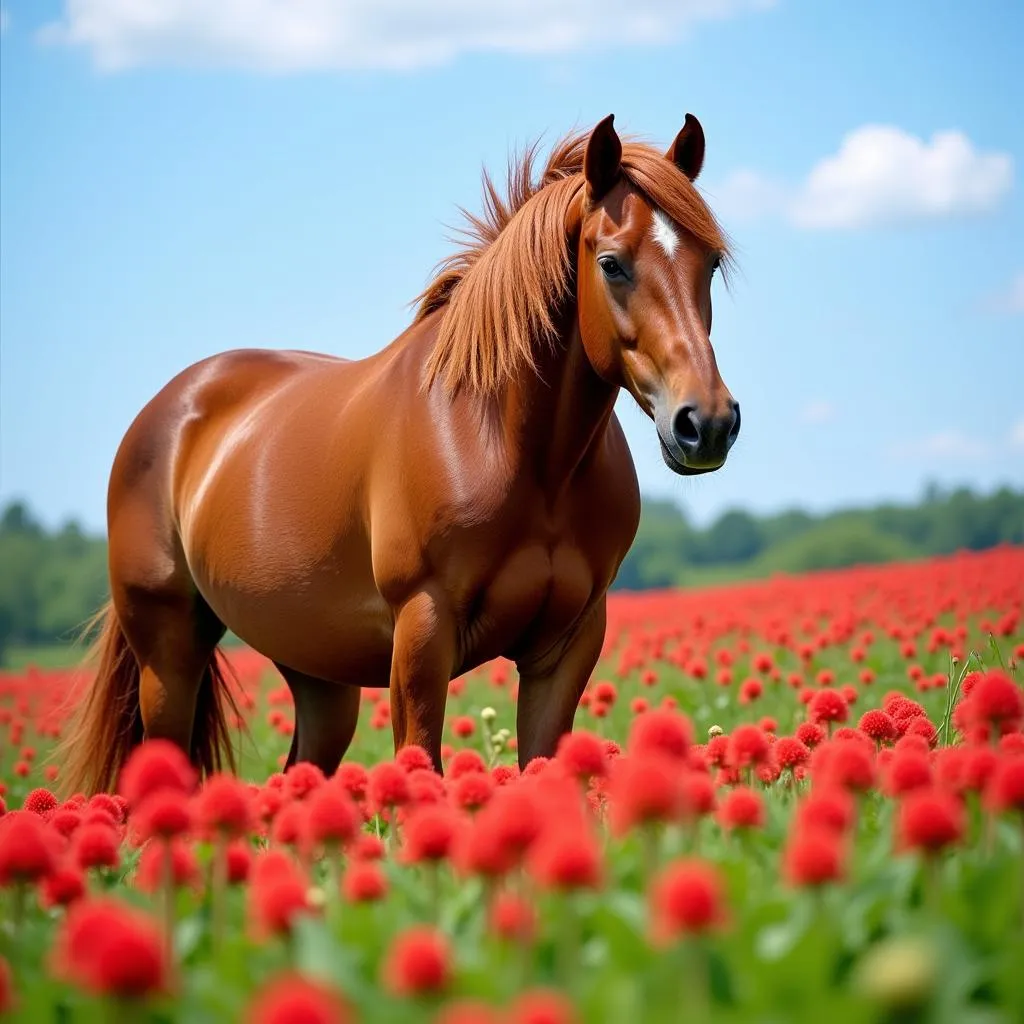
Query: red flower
point(389, 786)
point(302, 779)
point(644, 788)
point(291, 826)
point(293, 999)
point(566, 858)
point(463, 726)
point(364, 882)
point(923, 728)
point(515, 818)
point(163, 814)
point(353, 778)
point(814, 856)
point(333, 818)
point(62, 887)
point(418, 961)
point(277, 895)
point(65, 820)
point(154, 765)
point(930, 820)
point(750, 690)
point(582, 754)
point(430, 833)
point(995, 701)
point(789, 752)
point(979, 764)
point(225, 805)
point(472, 791)
point(830, 808)
point(149, 876)
point(96, 846)
point(686, 898)
point(426, 787)
point(481, 851)
point(605, 692)
point(367, 846)
point(414, 757)
point(28, 848)
point(239, 861)
point(110, 949)
point(661, 730)
point(828, 706)
point(748, 746)
point(810, 734)
point(465, 761)
point(908, 770)
point(698, 794)
point(1005, 789)
point(503, 774)
point(846, 763)
point(878, 725)
point(115, 806)
point(513, 918)
point(741, 808)
point(41, 802)
point(542, 1006)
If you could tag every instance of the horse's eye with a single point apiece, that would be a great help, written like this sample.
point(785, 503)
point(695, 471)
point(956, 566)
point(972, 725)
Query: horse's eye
point(716, 265)
point(612, 268)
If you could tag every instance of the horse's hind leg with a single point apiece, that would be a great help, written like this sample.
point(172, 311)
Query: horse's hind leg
point(173, 636)
point(325, 719)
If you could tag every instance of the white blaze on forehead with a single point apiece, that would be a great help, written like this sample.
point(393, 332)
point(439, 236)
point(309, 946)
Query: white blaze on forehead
point(664, 233)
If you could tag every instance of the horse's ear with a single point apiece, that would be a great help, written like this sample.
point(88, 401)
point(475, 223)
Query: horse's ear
point(603, 159)
point(687, 152)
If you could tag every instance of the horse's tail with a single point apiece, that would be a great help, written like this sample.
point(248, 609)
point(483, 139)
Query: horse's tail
point(106, 726)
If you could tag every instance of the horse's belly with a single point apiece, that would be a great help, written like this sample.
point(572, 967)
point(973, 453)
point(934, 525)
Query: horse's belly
point(340, 636)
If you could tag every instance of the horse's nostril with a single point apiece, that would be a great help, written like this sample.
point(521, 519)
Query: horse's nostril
point(734, 431)
point(686, 426)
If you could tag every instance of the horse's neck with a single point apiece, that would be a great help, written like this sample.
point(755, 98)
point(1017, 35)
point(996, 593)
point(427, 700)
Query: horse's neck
point(559, 415)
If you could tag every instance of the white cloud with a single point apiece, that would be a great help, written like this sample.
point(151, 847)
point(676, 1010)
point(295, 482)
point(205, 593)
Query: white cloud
point(818, 412)
point(1017, 434)
point(881, 175)
point(1011, 298)
point(947, 445)
point(304, 35)
point(5, 21)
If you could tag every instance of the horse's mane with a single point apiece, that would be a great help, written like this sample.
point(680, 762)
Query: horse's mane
point(499, 293)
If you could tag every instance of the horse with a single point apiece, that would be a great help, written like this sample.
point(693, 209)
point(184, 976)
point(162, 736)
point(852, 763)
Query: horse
point(464, 493)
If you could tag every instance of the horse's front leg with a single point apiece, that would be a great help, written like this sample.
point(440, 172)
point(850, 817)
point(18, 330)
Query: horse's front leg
point(549, 696)
point(422, 663)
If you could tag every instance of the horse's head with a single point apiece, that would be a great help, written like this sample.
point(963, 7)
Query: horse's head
point(644, 292)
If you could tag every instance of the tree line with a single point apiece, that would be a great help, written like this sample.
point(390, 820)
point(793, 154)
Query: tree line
point(51, 581)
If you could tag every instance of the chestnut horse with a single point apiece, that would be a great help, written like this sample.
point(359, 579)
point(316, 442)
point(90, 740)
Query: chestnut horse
point(463, 494)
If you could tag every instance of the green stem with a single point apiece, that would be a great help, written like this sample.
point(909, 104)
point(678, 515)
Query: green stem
point(650, 840)
point(219, 888)
point(567, 943)
point(933, 886)
point(696, 967)
point(18, 916)
point(168, 905)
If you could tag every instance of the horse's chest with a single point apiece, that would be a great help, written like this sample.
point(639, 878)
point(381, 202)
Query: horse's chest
point(536, 596)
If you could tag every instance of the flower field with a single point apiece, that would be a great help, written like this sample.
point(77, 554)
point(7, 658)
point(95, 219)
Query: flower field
point(794, 800)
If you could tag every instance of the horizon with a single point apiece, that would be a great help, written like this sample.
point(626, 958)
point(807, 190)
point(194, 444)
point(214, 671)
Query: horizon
point(176, 188)
point(930, 492)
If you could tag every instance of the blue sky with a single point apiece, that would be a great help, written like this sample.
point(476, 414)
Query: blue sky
point(174, 183)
